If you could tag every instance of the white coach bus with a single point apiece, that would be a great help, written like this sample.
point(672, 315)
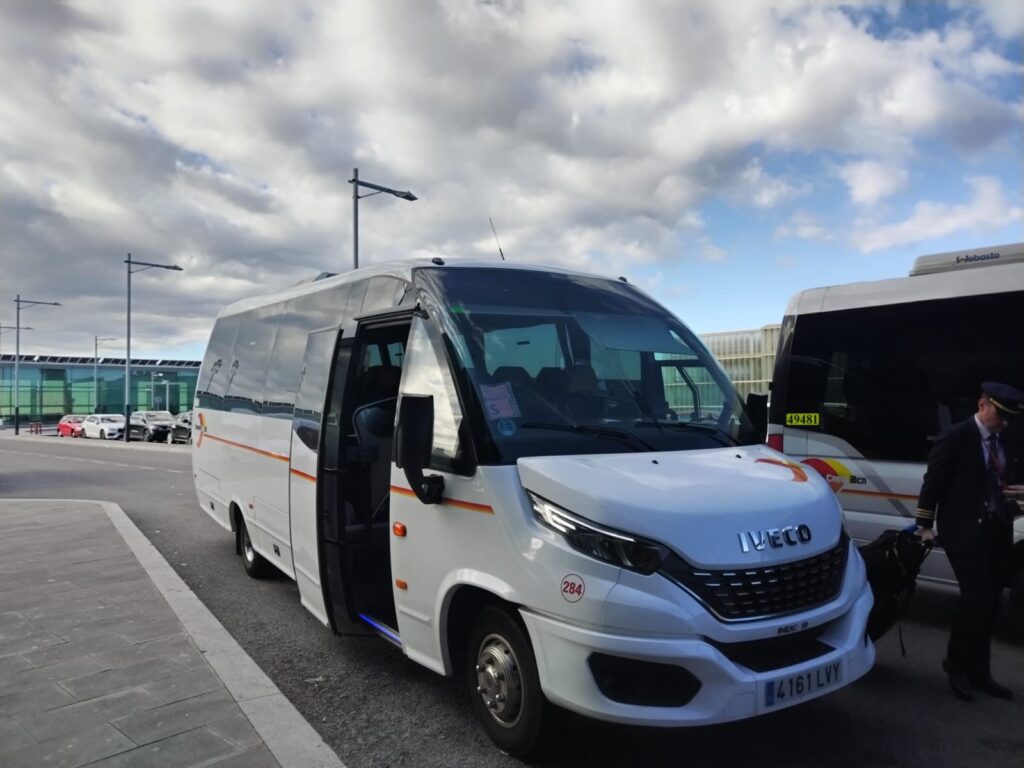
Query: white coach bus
point(479, 462)
point(867, 375)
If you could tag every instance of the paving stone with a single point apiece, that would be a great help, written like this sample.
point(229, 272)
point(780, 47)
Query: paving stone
point(237, 729)
point(9, 665)
point(185, 750)
point(54, 673)
point(88, 714)
point(140, 632)
point(256, 757)
point(71, 751)
point(38, 699)
point(120, 678)
point(65, 650)
point(184, 685)
point(13, 737)
point(29, 643)
point(159, 723)
point(177, 647)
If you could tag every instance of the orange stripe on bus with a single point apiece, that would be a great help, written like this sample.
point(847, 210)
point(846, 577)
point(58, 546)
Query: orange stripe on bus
point(472, 506)
point(303, 475)
point(880, 495)
point(244, 447)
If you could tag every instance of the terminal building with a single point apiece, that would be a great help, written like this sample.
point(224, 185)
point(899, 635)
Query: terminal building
point(50, 386)
point(747, 356)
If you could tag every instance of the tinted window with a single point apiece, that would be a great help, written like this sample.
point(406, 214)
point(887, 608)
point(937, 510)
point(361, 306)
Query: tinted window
point(887, 380)
point(297, 319)
point(244, 392)
point(382, 293)
point(312, 394)
point(213, 375)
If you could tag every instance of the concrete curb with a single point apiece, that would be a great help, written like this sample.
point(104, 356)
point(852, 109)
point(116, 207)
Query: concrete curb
point(292, 740)
point(116, 444)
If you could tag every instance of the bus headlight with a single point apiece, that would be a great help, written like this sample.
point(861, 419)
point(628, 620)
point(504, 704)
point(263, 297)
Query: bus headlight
point(610, 546)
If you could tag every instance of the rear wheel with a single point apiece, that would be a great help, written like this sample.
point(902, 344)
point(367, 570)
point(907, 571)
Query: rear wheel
point(504, 688)
point(255, 564)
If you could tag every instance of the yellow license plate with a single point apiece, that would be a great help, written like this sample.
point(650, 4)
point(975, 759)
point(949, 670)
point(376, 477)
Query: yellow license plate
point(803, 419)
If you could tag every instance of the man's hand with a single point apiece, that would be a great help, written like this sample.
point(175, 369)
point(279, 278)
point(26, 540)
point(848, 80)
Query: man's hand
point(926, 534)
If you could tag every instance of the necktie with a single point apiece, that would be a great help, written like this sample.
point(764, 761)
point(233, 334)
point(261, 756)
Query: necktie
point(995, 477)
point(995, 466)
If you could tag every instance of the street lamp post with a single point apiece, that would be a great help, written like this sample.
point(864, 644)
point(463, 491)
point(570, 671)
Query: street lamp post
point(356, 184)
point(152, 390)
point(19, 302)
point(140, 266)
point(97, 340)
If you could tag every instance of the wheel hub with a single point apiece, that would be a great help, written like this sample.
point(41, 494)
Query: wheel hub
point(498, 680)
point(247, 547)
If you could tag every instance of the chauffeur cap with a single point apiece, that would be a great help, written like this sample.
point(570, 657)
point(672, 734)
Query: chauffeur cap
point(1008, 400)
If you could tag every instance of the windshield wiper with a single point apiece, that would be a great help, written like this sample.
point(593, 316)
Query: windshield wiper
point(710, 431)
point(621, 435)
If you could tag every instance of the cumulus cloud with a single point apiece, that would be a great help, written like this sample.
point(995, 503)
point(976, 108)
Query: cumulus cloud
point(222, 135)
point(987, 207)
point(805, 226)
point(872, 180)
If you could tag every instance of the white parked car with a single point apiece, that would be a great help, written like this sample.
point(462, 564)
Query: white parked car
point(105, 426)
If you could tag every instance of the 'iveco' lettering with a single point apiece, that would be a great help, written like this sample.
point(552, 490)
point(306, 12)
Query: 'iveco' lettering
point(776, 538)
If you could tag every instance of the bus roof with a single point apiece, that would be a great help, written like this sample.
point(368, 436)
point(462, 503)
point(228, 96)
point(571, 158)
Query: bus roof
point(938, 276)
point(400, 269)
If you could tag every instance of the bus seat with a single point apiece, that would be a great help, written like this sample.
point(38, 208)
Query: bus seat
point(553, 383)
point(379, 382)
point(585, 399)
point(513, 374)
point(374, 426)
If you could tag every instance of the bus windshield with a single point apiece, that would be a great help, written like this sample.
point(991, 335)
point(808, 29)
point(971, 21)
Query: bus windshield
point(568, 364)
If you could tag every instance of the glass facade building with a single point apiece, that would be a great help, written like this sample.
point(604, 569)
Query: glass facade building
point(53, 385)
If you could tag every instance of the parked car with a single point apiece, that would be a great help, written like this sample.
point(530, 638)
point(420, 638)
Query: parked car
point(181, 430)
point(70, 426)
point(150, 426)
point(105, 426)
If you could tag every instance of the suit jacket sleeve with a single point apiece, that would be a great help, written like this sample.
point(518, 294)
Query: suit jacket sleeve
point(936, 479)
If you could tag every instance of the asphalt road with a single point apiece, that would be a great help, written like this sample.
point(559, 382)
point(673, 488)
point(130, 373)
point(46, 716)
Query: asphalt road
point(376, 708)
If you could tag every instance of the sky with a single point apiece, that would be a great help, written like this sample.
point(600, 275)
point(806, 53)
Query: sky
point(721, 155)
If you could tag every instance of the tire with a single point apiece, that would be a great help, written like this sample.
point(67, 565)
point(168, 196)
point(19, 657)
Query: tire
point(503, 685)
point(170, 438)
point(103, 434)
point(255, 564)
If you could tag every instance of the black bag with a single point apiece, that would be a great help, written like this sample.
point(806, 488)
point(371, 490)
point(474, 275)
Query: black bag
point(893, 561)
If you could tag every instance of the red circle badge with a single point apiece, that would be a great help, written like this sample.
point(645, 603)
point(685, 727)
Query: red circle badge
point(573, 588)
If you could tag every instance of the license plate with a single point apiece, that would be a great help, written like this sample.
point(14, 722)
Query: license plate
point(786, 690)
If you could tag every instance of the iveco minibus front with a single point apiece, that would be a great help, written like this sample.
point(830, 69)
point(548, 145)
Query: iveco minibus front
point(588, 517)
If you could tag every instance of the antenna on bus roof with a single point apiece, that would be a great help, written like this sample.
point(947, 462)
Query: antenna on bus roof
point(496, 239)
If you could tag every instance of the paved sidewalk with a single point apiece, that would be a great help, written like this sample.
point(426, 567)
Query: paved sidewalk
point(108, 659)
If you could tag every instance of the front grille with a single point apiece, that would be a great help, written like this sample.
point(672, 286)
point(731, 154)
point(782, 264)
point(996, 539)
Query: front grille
point(754, 593)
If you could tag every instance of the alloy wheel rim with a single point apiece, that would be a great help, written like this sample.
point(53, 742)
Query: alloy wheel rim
point(499, 682)
point(250, 555)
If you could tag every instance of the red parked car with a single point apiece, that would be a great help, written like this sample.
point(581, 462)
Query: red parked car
point(70, 426)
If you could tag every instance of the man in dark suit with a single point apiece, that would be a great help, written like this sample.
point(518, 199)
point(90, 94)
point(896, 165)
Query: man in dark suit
point(971, 469)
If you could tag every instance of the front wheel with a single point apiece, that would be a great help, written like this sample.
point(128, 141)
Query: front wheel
point(504, 688)
point(103, 435)
point(170, 438)
point(255, 564)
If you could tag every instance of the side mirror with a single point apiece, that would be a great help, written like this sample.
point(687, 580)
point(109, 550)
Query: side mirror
point(413, 441)
point(757, 409)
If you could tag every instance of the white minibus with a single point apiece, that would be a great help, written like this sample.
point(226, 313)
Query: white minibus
point(535, 479)
point(867, 376)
